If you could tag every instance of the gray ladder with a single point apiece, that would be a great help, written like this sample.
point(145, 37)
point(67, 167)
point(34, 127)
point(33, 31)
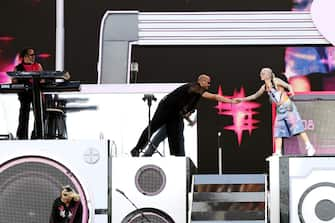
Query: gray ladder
point(229, 198)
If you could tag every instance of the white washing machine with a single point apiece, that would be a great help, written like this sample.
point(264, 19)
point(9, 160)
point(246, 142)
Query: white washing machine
point(302, 189)
point(149, 189)
point(312, 189)
point(32, 173)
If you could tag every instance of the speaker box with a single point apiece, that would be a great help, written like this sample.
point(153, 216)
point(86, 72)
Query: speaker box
point(32, 173)
point(307, 190)
point(149, 189)
point(317, 111)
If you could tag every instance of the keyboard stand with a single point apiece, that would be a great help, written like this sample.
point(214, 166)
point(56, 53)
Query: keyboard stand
point(38, 109)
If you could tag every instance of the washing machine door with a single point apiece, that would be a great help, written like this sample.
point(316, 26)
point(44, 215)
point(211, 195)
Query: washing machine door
point(147, 215)
point(30, 184)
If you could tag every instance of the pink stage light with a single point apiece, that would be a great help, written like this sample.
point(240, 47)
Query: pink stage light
point(44, 55)
point(6, 38)
point(4, 78)
point(242, 114)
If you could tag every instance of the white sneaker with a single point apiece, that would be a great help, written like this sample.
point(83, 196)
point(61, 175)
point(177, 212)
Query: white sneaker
point(310, 150)
point(277, 153)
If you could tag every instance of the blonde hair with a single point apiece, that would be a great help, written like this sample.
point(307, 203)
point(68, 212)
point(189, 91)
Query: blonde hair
point(68, 189)
point(273, 76)
point(76, 197)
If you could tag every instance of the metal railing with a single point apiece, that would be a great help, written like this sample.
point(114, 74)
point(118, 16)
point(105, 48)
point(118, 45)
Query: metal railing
point(229, 198)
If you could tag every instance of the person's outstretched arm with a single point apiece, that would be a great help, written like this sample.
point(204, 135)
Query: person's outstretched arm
point(253, 96)
point(216, 97)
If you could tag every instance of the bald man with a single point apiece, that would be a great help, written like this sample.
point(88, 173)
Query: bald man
point(171, 111)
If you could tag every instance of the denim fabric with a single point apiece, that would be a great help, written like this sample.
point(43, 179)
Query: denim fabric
point(288, 121)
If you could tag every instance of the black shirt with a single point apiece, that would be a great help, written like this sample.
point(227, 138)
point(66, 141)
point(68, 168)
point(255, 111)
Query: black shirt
point(184, 99)
point(63, 214)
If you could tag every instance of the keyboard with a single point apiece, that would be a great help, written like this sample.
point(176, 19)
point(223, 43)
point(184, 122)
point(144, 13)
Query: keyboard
point(39, 74)
point(54, 87)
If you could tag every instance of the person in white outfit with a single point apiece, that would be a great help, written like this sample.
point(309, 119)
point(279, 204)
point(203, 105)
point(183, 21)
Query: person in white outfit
point(288, 122)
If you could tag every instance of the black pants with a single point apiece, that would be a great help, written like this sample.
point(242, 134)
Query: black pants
point(174, 128)
point(25, 99)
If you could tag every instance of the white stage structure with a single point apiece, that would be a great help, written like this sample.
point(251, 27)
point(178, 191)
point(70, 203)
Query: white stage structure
point(110, 111)
point(149, 190)
point(33, 172)
point(195, 28)
point(302, 189)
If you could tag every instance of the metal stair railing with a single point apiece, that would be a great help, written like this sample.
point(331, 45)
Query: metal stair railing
point(229, 198)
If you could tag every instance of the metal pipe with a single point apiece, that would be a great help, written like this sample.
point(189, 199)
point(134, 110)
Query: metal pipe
point(59, 35)
point(220, 153)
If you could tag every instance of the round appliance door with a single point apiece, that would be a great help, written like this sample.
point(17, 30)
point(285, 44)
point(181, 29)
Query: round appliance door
point(28, 187)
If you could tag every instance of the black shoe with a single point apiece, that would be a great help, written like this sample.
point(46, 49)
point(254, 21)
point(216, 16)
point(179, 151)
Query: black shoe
point(135, 153)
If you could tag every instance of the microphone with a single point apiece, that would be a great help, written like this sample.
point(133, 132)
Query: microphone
point(133, 72)
point(149, 97)
point(132, 203)
point(120, 191)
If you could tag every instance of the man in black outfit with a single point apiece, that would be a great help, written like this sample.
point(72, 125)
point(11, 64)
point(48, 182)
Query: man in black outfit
point(171, 110)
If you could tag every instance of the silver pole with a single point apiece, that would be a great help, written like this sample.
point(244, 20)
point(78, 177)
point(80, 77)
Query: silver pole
point(220, 153)
point(60, 35)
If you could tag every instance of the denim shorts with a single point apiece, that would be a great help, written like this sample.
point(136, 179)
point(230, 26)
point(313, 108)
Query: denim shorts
point(288, 121)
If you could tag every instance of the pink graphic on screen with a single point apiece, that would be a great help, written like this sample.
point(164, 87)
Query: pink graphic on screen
point(8, 59)
point(242, 114)
point(6, 63)
point(310, 68)
point(6, 38)
point(8, 67)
